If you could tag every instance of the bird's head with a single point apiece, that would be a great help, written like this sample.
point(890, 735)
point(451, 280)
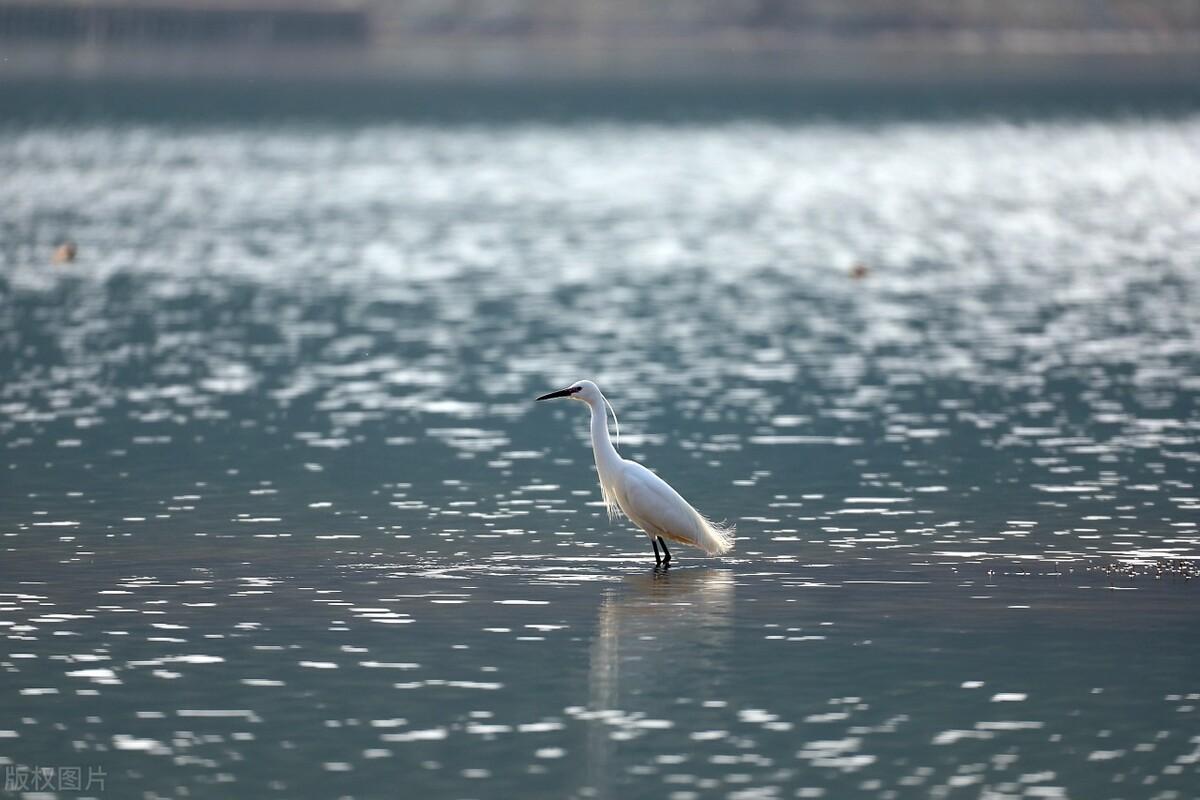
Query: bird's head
point(586, 391)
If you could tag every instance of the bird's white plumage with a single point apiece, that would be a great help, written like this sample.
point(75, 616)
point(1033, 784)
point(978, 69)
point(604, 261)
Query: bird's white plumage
point(659, 510)
point(646, 499)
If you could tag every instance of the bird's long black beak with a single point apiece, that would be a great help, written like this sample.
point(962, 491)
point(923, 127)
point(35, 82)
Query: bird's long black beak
point(559, 393)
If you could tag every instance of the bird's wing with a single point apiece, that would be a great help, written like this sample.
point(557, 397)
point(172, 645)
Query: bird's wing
point(656, 507)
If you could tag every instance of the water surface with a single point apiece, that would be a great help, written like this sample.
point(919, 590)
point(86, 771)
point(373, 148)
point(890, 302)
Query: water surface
point(279, 517)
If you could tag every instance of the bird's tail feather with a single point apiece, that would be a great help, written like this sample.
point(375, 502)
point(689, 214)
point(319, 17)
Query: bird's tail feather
point(716, 538)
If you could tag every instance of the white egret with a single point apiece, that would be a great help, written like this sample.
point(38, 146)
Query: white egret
point(644, 497)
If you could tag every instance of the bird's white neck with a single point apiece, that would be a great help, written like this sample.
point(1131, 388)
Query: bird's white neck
point(602, 446)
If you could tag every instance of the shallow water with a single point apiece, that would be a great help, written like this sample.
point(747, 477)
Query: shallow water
point(279, 518)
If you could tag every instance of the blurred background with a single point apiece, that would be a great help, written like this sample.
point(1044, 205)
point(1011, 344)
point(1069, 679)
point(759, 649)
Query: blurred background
point(880, 41)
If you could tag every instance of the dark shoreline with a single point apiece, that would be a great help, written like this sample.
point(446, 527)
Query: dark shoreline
point(664, 100)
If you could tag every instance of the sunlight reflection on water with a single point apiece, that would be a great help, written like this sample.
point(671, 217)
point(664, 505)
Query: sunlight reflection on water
point(278, 511)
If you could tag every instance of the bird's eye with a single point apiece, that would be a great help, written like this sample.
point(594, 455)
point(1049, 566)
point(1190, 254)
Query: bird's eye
point(574, 389)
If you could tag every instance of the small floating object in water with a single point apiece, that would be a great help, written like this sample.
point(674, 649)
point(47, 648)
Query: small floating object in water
point(859, 271)
point(65, 252)
point(644, 497)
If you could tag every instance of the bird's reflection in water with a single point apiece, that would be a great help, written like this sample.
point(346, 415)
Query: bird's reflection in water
point(660, 637)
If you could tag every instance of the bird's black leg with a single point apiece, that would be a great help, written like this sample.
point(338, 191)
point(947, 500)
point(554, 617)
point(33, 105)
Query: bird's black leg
point(657, 557)
point(663, 542)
